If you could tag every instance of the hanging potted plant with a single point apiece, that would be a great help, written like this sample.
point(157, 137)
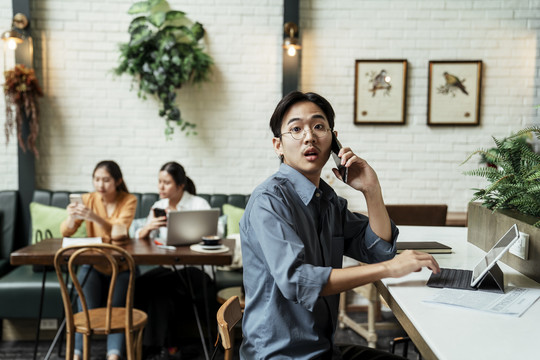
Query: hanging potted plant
point(162, 55)
point(21, 91)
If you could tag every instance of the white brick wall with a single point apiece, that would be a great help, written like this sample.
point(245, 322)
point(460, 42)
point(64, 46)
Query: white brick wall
point(8, 152)
point(93, 116)
point(88, 115)
point(416, 163)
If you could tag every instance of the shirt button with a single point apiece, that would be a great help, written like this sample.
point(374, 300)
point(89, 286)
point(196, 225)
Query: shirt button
point(317, 195)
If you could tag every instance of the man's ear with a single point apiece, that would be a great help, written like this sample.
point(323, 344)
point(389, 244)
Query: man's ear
point(277, 146)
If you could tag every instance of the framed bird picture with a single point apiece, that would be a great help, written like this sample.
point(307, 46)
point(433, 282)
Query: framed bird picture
point(380, 92)
point(454, 89)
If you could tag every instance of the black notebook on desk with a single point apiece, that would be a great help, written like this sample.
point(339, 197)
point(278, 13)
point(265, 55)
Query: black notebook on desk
point(432, 247)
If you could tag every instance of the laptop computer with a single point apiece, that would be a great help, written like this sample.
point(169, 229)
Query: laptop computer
point(186, 227)
point(470, 279)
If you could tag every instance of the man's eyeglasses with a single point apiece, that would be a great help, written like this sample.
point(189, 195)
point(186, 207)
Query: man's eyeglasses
point(297, 133)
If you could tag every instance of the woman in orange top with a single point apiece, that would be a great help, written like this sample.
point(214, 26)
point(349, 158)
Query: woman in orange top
point(109, 205)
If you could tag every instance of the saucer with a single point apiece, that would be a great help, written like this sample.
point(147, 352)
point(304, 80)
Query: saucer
point(211, 249)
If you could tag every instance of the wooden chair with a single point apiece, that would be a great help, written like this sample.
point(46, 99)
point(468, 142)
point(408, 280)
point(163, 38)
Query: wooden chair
point(228, 315)
point(410, 214)
point(104, 320)
point(418, 214)
point(225, 294)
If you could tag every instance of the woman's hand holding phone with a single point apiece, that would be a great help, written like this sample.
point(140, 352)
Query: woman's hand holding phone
point(159, 219)
point(76, 208)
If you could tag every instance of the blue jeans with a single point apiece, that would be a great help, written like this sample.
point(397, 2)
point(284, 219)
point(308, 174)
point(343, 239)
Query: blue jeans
point(95, 290)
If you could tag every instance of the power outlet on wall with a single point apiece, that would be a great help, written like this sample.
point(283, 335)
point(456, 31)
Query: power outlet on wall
point(521, 246)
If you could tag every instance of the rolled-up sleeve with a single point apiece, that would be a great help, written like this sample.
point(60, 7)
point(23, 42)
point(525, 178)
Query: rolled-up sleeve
point(274, 237)
point(363, 244)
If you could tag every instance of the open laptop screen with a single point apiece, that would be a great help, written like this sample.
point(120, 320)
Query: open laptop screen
point(186, 227)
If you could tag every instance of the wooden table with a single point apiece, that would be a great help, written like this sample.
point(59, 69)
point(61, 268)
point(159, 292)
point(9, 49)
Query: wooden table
point(143, 251)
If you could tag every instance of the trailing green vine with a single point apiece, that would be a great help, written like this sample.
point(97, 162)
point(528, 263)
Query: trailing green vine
point(162, 55)
point(514, 175)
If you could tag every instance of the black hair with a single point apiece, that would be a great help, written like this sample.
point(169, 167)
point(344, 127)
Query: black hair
point(114, 170)
point(295, 97)
point(178, 174)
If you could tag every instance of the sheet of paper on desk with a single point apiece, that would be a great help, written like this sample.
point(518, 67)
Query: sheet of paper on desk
point(81, 241)
point(514, 302)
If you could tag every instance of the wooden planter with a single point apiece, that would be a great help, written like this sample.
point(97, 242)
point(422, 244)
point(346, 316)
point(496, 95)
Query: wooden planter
point(486, 227)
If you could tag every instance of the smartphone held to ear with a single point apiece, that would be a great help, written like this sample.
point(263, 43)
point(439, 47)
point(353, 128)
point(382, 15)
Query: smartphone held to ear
point(336, 146)
point(159, 212)
point(75, 199)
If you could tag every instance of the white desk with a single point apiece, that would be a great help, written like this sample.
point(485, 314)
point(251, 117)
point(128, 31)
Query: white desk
point(444, 332)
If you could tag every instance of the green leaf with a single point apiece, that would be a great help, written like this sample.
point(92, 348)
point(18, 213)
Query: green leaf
point(165, 59)
point(135, 23)
point(157, 19)
point(198, 31)
point(175, 15)
point(139, 35)
point(139, 7)
point(154, 3)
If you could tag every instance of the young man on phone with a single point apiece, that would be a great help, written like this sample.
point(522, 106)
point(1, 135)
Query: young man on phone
point(295, 231)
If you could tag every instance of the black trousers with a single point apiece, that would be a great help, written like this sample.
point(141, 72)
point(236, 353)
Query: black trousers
point(166, 299)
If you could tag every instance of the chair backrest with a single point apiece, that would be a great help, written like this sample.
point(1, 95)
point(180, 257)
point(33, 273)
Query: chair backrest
point(418, 214)
point(228, 315)
point(109, 254)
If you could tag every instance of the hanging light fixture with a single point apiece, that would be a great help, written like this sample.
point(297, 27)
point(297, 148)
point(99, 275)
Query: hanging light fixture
point(291, 41)
point(15, 36)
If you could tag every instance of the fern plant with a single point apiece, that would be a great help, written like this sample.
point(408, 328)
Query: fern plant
point(163, 54)
point(515, 179)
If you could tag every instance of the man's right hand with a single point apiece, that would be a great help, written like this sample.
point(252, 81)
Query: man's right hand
point(409, 261)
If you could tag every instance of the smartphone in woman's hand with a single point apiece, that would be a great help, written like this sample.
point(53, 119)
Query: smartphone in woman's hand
point(159, 212)
point(75, 199)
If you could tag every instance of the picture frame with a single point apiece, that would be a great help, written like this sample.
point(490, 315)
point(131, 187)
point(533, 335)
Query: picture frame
point(454, 93)
point(380, 92)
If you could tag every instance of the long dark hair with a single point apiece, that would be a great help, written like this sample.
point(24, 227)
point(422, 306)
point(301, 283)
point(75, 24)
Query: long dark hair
point(114, 170)
point(295, 97)
point(179, 176)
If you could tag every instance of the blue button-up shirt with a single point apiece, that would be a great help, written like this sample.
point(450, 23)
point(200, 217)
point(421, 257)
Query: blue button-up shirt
point(293, 234)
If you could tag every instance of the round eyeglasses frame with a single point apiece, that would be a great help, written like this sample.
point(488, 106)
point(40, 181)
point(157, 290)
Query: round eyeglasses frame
point(317, 133)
